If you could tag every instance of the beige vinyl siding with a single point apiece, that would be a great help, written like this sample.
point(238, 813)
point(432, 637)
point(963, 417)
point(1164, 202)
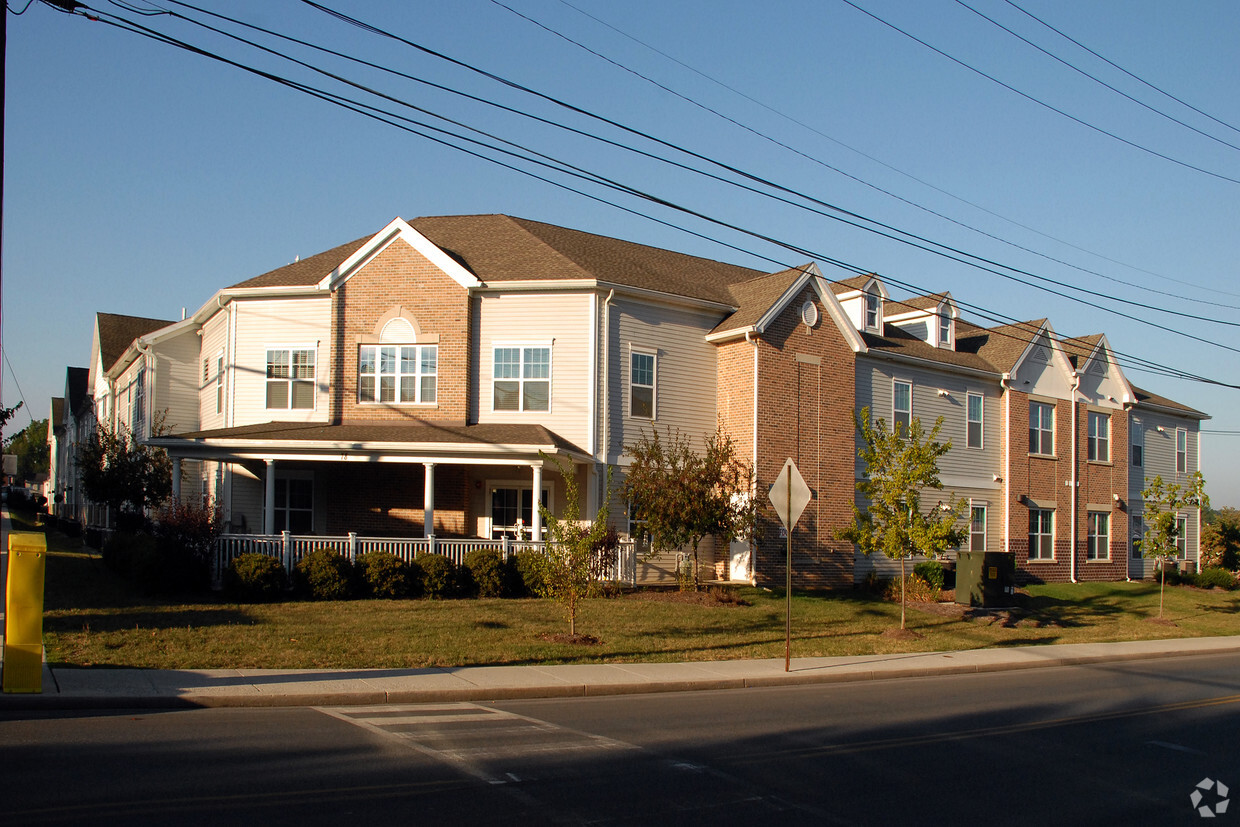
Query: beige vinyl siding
point(962, 467)
point(561, 320)
point(214, 342)
point(886, 568)
point(175, 386)
point(685, 371)
point(278, 323)
point(1159, 460)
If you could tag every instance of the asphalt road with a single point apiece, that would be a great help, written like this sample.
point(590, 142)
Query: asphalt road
point(1122, 743)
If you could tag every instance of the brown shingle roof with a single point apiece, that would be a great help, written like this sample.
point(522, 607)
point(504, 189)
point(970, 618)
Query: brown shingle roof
point(307, 271)
point(755, 297)
point(899, 342)
point(1080, 348)
point(411, 433)
point(1150, 398)
point(1003, 345)
point(117, 332)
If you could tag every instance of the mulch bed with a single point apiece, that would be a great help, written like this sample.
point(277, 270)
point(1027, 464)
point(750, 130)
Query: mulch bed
point(711, 597)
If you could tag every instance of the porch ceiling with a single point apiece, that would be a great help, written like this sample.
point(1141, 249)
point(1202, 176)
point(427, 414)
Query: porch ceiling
point(374, 442)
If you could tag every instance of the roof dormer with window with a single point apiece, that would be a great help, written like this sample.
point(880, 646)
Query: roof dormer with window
point(863, 299)
point(932, 319)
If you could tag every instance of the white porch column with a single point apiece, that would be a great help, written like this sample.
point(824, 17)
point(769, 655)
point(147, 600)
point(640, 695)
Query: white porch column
point(176, 479)
point(428, 501)
point(269, 507)
point(536, 517)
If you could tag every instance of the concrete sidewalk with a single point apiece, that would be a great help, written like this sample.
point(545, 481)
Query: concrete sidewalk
point(69, 688)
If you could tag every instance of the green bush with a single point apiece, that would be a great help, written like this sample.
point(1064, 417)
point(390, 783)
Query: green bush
point(931, 571)
point(1211, 577)
point(440, 578)
point(325, 575)
point(528, 570)
point(255, 578)
point(488, 574)
point(385, 575)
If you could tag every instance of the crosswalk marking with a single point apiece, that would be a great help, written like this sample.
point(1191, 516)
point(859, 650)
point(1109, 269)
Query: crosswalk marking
point(452, 732)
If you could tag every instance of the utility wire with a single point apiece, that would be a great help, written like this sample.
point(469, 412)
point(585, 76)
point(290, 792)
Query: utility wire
point(362, 109)
point(1097, 80)
point(820, 162)
point(1038, 101)
point(1111, 63)
point(888, 166)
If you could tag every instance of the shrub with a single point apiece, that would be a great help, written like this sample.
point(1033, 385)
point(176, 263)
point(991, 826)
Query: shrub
point(1215, 576)
point(385, 575)
point(439, 576)
point(255, 577)
point(488, 575)
point(325, 575)
point(916, 590)
point(930, 571)
point(529, 572)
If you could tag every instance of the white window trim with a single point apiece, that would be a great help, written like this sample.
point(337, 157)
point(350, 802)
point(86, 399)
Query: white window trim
point(417, 375)
point(137, 403)
point(1102, 542)
point(1050, 559)
point(654, 388)
point(866, 295)
point(894, 410)
point(548, 488)
point(1181, 434)
point(1054, 414)
point(1092, 441)
point(1133, 535)
point(219, 383)
point(1181, 539)
point(300, 476)
point(313, 348)
point(521, 380)
point(1136, 438)
point(982, 504)
point(944, 318)
point(981, 423)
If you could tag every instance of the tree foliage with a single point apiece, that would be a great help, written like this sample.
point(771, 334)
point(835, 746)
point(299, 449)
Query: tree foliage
point(1220, 541)
point(7, 413)
point(1163, 502)
point(898, 468)
point(574, 562)
point(680, 496)
point(120, 472)
point(29, 445)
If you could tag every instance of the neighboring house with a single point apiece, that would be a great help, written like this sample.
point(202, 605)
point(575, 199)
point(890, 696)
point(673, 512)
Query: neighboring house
point(67, 500)
point(413, 382)
point(55, 459)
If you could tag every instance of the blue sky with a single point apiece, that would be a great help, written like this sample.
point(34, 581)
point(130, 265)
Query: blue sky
point(140, 178)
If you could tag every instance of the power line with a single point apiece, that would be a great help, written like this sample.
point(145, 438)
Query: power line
point(1097, 80)
point(1038, 101)
point(564, 168)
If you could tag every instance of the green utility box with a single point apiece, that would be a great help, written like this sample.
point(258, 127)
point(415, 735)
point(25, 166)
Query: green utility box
point(985, 578)
point(23, 619)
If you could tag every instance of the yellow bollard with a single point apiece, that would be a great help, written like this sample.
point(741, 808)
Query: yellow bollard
point(23, 619)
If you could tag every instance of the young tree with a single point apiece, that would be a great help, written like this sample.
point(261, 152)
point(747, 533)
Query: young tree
point(899, 466)
point(30, 447)
point(119, 471)
point(575, 559)
point(681, 496)
point(1163, 502)
point(7, 413)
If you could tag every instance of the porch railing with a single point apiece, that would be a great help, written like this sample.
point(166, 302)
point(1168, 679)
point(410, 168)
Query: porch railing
point(291, 549)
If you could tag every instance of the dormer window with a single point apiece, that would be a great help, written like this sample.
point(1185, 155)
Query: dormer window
point(871, 311)
point(945, 329)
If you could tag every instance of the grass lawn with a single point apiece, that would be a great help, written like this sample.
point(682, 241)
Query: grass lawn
point(93, 618)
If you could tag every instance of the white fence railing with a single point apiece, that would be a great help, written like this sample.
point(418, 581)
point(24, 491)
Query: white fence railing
point(291, 549)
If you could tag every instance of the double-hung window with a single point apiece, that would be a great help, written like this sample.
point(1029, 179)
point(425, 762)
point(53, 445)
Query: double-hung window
point(1041, 534)
point(977, 528)
point(1099, 448)
point(522, 378)
point(901, 407)
point(1138, 534)
point(1181, 537)
point(294, 504)
point(290, 378)
point(397, 373)
point(1181, 451)
point(945, 329)
point(641, 385)
point(871, 311)
point(1137, 439)
point(1098, 536)
point(219, 384)
point(1041, 428)
point(974, 405)
point(137, 410)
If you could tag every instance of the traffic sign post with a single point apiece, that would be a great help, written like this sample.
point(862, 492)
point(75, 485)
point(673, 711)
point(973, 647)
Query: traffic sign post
point(789, 495)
